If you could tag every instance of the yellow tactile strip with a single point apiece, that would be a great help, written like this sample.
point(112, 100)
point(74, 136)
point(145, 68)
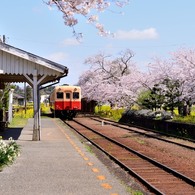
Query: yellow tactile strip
point(95, 170)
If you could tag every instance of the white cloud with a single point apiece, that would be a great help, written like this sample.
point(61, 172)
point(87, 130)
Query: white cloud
point(134, 34)
point(58, 57)
point(70, 42)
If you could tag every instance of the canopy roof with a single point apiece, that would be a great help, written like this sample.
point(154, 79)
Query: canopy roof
point(17, 65)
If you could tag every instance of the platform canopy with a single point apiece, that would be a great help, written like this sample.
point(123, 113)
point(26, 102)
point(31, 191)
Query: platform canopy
point(17, 65)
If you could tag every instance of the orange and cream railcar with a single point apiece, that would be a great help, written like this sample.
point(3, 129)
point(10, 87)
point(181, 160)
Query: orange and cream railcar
point(65, 101)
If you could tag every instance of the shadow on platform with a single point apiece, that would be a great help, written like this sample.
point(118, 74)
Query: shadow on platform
point(11, 132)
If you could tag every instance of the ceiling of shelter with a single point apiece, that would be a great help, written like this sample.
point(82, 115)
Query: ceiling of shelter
point(8, 78)
point(12, 78)
point(17, 65)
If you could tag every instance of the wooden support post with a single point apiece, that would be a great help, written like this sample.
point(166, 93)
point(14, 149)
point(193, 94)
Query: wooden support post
point(35, 84)
point(36, 127)
point(10, 112)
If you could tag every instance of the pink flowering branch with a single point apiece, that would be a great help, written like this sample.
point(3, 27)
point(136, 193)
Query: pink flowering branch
point(70, 8)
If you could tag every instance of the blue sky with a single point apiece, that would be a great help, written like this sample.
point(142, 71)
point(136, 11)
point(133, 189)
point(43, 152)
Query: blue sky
point(149, 28)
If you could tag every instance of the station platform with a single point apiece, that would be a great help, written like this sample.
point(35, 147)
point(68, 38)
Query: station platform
point(59, 164)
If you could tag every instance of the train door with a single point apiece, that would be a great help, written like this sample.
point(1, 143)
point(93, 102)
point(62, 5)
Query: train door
point(68, 102)
point(59, 101)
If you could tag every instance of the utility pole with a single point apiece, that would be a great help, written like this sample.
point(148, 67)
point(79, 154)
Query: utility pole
point(4, 39)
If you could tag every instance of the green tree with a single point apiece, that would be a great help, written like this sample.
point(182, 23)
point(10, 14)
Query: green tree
point(28, 93)
point(166, 94)
point(18, 89)
point(4, 95)
point(172, 93)
point(153, 98)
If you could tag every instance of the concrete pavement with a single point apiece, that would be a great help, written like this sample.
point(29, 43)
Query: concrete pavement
point(59, 164)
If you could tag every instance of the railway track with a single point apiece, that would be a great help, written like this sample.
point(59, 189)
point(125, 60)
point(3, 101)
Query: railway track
point(157, 177)
point(189, 144)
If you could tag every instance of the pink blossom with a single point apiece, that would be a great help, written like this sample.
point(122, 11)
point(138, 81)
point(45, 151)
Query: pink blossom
point(83, 7)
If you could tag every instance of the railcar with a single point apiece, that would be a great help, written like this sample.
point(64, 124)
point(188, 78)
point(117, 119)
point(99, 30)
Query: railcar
point(65, 101)
point(88, 106)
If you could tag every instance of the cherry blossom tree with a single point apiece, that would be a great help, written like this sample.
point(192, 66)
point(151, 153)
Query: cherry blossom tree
point(119, 81)
point(113, 80)
point(185, 60)
point(179, 71)
point(87, 8)
point(160, 69)
point(163, 84)
point(181, 66)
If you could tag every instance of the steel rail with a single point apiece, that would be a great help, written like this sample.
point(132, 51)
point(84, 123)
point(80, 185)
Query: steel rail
point(145, 134)
point(156, 163)
point(137, 176)
point(144, 128)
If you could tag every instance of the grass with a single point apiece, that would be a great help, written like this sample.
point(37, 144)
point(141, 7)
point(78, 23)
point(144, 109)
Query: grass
point(21, 116)
point(186, 119)
point(18, 122)
point(89, 149)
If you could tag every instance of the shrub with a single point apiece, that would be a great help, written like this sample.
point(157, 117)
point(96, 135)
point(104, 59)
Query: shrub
point(116, 114)
point(45, 109)
point(8, 152)
point(106, 111)
point(22, 114)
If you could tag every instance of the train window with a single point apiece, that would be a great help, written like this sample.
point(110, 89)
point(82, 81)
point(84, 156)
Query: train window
point(75, 95)
point(67, 95)
point(60, 95)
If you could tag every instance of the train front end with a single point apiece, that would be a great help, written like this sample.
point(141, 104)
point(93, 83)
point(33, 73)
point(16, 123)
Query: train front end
point(67, 101)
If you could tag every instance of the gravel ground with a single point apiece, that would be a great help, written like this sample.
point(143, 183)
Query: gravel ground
point(132, 184)
point(176, 157)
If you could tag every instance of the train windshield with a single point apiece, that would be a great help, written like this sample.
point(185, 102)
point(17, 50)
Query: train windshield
point(60, 95)
point(75, 95)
